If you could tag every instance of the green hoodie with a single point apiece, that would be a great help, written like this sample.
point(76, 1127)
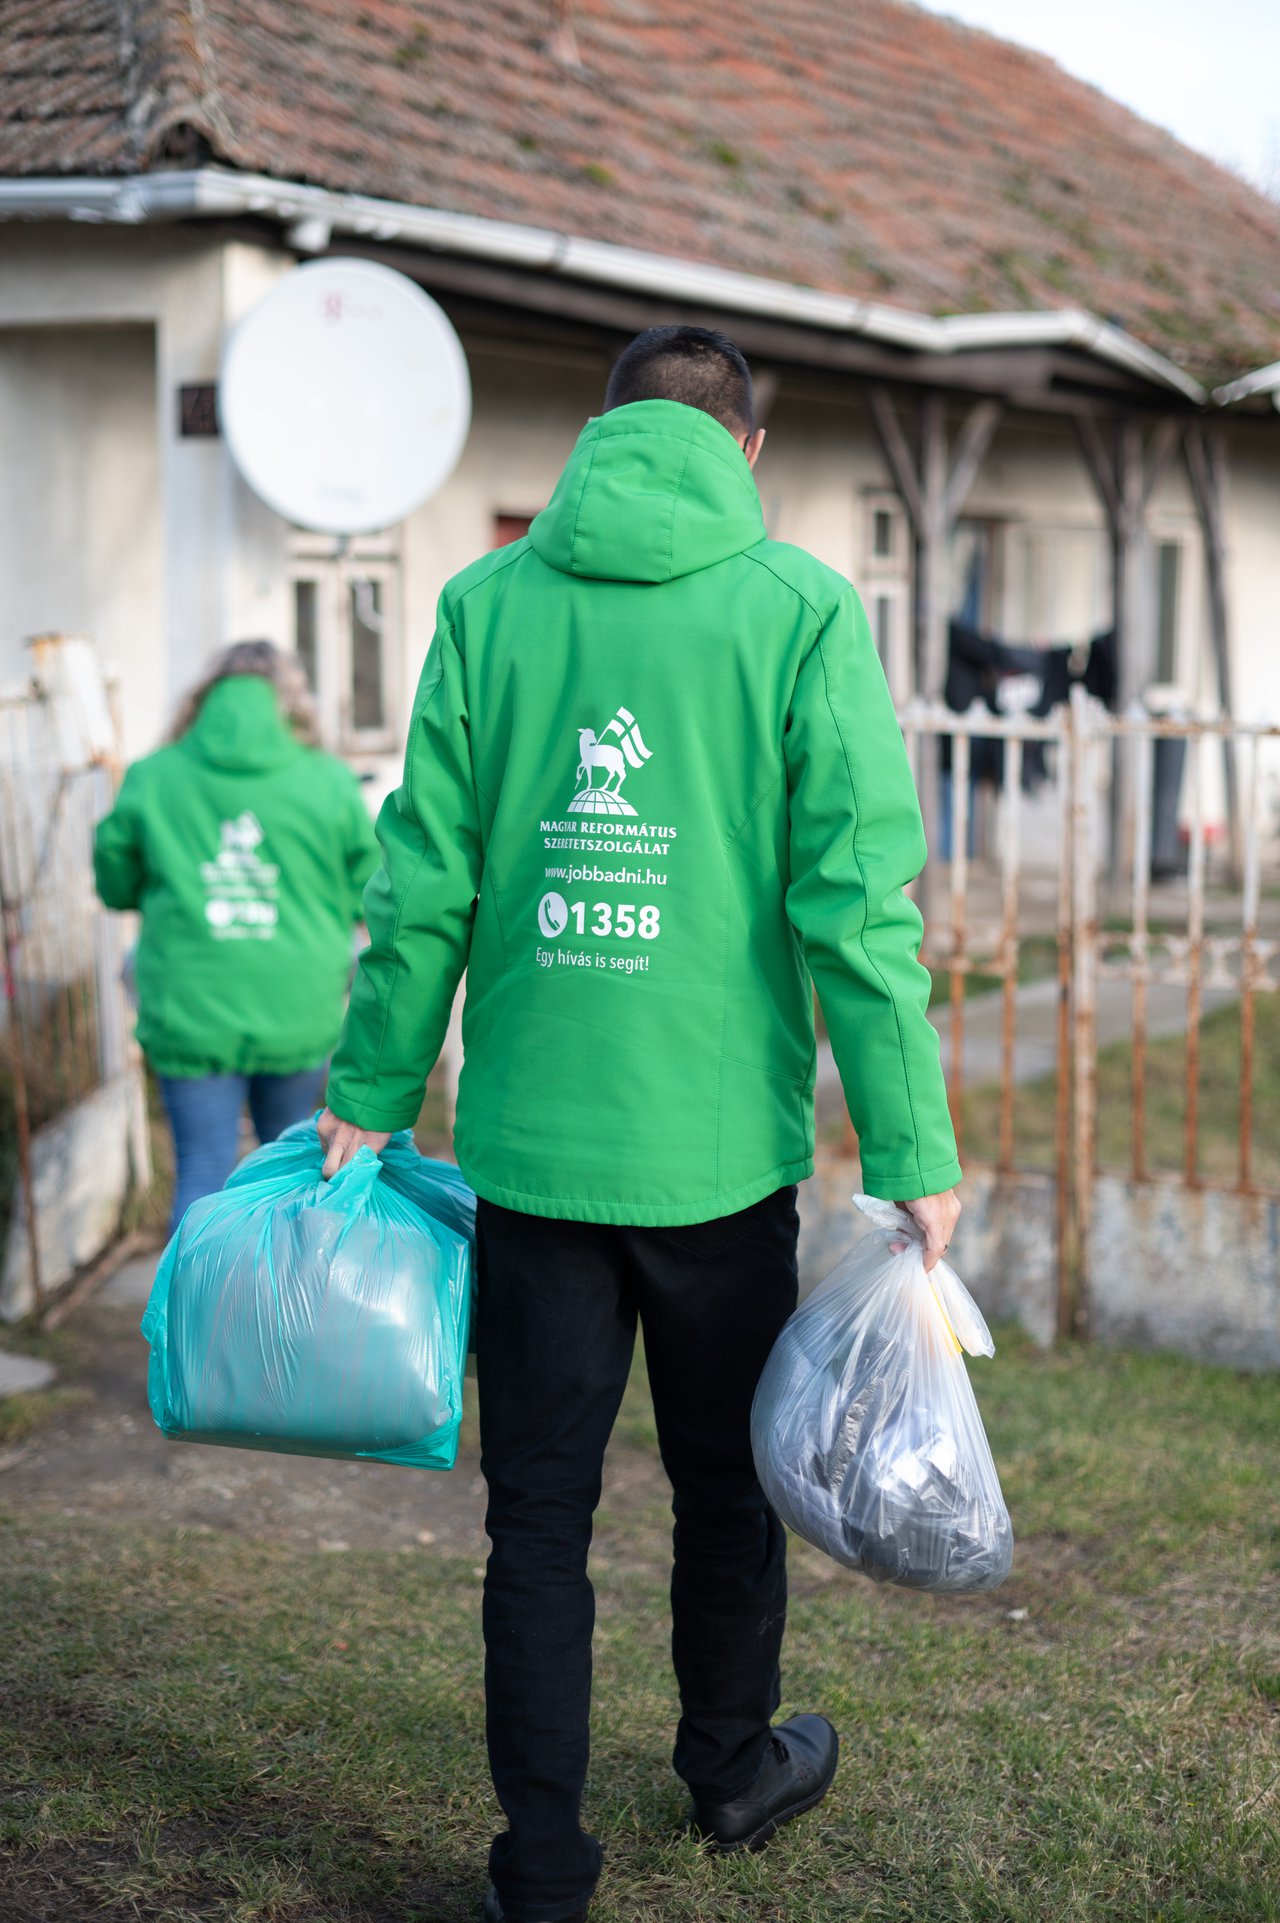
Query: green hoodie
point(246, 852)
point(653, 783)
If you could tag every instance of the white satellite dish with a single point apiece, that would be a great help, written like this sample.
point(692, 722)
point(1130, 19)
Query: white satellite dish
point(344, 397)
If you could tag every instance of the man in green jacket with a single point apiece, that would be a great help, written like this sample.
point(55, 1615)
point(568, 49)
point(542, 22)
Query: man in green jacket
point(654, 789)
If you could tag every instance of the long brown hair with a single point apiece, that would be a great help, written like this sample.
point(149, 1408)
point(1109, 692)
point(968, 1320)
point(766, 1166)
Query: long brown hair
point(283, 670)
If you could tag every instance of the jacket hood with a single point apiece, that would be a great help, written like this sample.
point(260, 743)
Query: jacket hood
point(651, 491)
point(240, 727)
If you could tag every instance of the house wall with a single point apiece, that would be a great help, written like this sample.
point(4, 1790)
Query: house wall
point(80, 506)
point(1253, 563)
point(146, 541)
point(115, 524)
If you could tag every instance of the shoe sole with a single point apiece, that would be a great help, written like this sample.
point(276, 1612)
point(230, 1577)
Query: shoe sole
point(767, 1831)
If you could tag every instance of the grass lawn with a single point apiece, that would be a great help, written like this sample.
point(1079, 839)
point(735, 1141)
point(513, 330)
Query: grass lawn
point(204, 1726)
point(1037, 962)
point(1219, 1128)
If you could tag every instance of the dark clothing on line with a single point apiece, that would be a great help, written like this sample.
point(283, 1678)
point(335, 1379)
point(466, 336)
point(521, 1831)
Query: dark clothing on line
point(976, 665)
point(559, 1304)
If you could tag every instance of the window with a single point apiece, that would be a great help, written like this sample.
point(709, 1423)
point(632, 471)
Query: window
point(346, 635)
point(1057, 591)
point(304, 628)
point(973, 573)
point(882, 628)
point(883, 576)
point(885, 535)
point(510, 527)
point(1168, 575)
point(366, 622)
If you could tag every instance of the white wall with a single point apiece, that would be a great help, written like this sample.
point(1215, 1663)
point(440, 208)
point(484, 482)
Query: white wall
point(150, 541)
point(528, 408)
point(80, 520)
point(111, 522)
point(1253, 565)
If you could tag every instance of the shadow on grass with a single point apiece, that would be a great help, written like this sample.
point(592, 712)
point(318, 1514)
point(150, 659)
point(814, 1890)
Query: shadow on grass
point(262, 1856)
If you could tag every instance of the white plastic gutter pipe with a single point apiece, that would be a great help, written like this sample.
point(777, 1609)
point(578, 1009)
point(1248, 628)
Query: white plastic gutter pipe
point(313, 213)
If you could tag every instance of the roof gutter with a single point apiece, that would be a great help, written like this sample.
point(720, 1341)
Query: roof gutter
point(1262, 381)
point(313, 214)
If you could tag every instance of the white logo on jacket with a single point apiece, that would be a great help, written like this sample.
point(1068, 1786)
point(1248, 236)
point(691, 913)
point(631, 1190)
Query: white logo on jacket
point(242, 889)
point(602, 765)
point(239, 838)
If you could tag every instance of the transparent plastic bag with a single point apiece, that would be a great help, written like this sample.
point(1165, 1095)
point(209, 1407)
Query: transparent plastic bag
point(866, 1435)
point(315, 1318)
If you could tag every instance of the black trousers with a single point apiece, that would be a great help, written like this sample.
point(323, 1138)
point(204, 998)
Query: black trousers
point(558, 1308)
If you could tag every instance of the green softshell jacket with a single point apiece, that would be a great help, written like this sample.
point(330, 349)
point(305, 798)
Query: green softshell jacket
point(246, 853)
point(653, 783)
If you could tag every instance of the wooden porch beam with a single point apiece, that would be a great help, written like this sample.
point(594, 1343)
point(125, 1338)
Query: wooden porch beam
point(1205, 456)
point(1098, 462)
point(764, 382)
point(898, 454)
point(975, 438)
point(1126, 476)
point(1162, 452)
point(933, 486)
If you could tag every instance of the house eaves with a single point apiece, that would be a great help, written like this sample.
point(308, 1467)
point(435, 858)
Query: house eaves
point(1263, 383)
point(313, 214)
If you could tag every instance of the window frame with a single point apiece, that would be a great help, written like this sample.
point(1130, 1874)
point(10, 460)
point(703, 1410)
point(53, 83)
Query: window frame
point(887, 578)
point(375, 558)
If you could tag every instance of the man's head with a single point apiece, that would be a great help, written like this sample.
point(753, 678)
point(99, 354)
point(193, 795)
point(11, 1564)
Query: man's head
point(693, 365)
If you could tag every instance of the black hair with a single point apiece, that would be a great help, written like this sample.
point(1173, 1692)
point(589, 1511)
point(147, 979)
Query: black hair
point(694, 365)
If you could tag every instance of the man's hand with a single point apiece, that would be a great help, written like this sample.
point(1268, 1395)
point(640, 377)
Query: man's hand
point(342, 1140)
point(936, 1216)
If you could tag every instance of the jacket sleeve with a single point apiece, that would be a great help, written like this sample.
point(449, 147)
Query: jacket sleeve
point(856, 839)
point(119, 866)
point(419, 907)
point(361, 853)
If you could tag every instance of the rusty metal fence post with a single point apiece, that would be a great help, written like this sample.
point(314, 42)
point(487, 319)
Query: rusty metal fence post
point(1197, 934)
point(1073, 1298)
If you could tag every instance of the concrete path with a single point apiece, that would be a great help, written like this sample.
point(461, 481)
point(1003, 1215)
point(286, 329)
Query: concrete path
point(130, 1286)
point(20, 1374)
point(1035, 1041)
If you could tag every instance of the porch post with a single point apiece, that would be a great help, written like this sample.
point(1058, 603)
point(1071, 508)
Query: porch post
point(1126, 476)
point(933, 488)
point(1205, 454)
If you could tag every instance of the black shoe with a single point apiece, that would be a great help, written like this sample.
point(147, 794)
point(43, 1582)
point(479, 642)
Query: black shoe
point(491, 1910)
point(796, 1774)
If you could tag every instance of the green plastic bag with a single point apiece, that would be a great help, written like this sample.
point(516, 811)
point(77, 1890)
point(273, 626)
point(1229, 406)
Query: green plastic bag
point(317, 1318)
point(440, 1189)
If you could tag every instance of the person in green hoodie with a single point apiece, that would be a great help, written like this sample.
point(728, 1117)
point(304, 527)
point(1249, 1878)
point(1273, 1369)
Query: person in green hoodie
point(654, 791)
point(245, 849)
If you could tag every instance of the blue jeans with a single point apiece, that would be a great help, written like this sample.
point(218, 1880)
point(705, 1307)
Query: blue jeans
point(204, 1113)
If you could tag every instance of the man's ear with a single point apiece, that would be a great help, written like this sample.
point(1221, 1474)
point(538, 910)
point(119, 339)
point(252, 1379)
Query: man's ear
point(753, 445)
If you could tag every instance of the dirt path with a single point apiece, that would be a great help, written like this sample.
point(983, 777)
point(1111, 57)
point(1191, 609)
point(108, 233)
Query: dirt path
point(104, 1456)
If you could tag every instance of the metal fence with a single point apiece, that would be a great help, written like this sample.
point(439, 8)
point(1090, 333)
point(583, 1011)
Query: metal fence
point(1101, 918)
point(65, 1026)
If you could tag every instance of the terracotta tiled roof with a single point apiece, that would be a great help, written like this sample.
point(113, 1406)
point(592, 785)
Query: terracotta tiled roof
point(860, 146)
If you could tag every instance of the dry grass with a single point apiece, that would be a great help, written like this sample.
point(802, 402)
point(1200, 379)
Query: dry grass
point(202, 1726)
point(1218, 1132)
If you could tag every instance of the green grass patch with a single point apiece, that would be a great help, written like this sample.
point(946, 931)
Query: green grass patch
point(203, 1726)
point(1037, 962)
point(21, 1416)
point(59, 1054)
point(1218, 1130)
